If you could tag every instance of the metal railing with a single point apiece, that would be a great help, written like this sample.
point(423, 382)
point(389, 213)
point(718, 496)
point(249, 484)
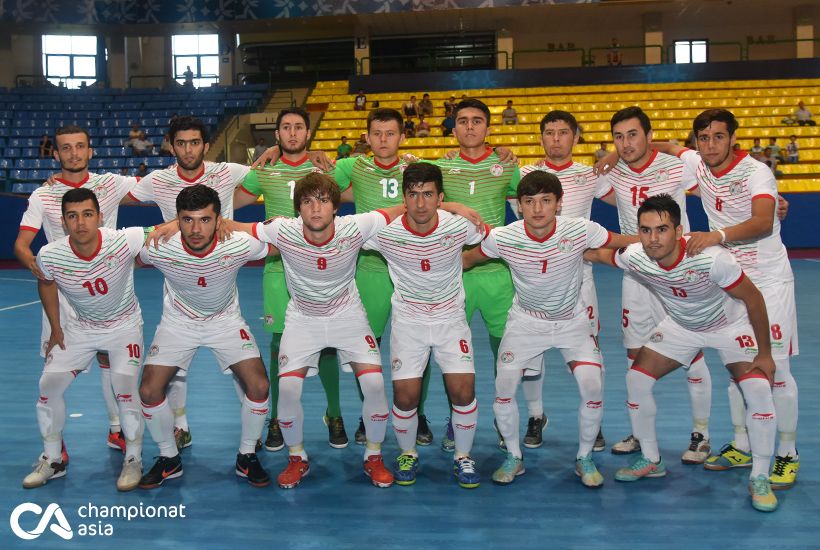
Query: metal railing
point(794, 41)
point(518, 53)
point(433, 61)
point(591, 58)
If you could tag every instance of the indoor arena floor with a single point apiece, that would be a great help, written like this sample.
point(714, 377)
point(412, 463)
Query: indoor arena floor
point(337, 507)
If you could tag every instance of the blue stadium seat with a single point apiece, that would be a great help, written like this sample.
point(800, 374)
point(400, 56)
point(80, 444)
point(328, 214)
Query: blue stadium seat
point(6, 163)
point(19, 174)
point(26, 188)
point(134, 162)
point(154, 162)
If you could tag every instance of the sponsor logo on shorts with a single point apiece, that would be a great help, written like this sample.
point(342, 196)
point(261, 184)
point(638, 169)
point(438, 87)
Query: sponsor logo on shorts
point(283, 361)
point(343, 244)
point(447, 241)
point(226, 260)
point(464, 426)
point(763, 416)
point(595, 404)
point(507, 357)
point(735, 188)
point(268, 320)
point(691, 276)
point(633, 406)
point(373, 352)
point(496, 170)
point(124, 397)
point(656, 338)
point(379, 417)
point(565, 245)
point(662, 175)
point(395, 364)
point(248, 345)
point(134, 362)
point(465, 358)
point(750, 351)
point(153, 351)
point(111, 262)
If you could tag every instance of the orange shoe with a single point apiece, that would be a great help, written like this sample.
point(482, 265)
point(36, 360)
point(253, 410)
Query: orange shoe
point(116, 441)
point(64, 454)
point(378, 474)
point(292, 475)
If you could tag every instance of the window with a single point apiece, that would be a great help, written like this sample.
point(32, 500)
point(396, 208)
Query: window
point(691, 51)
point(198, 53)
point(70, 59)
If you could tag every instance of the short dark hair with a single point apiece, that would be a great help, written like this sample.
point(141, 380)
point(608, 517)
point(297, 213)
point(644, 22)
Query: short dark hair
point(471, 103)
point(293, 111)
point(660, 204)
point(631, 112)
point(198, 197)
point(420, 173)
point(384, 114)
point(318, 185)
point(80, 194)
point(182, 123)
point(71, 129)
point(539, 182)
point(555, 116)
point(703, 120)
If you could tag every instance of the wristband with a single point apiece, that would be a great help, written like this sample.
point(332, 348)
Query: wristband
point(148, 230)
point(722, 235)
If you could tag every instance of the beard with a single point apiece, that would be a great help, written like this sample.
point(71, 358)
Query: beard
point(194, 165)
point(294, 151)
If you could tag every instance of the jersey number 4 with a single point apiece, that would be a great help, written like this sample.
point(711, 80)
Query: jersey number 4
point(201, 282)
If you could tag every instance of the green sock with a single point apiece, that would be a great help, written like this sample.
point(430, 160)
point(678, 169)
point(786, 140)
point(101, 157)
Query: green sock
point(275, 340)
point(495, 342)
point(425, 385)
point(329, 375)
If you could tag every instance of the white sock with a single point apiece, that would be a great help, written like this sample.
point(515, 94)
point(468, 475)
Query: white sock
point(127, 389)
point(699, 382)
point(784, 393)
point(406, 426)
point(178, 397)
point(253, 415)
point(291, 416)
point(160, 421)
point(761, 420)
point(591, 409)
point(465, 418)
point(642, 411)
point(505, 408)
point(51, 411)
point(737, 410)
point(110, 398)
point(374, 409)
point(533, 389)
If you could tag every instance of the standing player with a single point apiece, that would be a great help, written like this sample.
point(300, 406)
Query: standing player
point(93, 267)
point(545, 255)
point(642, 172)
point(73, 151)
point(739, 196)
point(701, 294)
point(276, 183)
point(423, 253)
point(319, 252)
point(201, 308)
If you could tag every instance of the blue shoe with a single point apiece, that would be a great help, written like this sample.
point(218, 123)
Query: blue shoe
point(406, 468)
point(641, 468)
point(509, 470)
point(585, 469)
point(448, 444)
point(464, 470)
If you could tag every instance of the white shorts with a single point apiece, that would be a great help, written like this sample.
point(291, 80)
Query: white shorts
point(782, 319)
point(526, 338)
point(735, 343)
point(589, 297)
point(642, 312)
point(176, 342)
point(305, 337)
point(67, 314)
point(123, 345)
point(410, 345)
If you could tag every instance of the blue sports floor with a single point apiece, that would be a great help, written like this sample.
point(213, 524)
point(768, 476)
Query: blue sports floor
point(337, 507)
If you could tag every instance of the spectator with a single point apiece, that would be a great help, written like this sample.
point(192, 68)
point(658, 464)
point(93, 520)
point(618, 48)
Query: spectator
point(360, 103)
point(756, 151)
point(124, 171)
point(411, 109)
point(423, 128)
point(775, 148)
point(344, 149)
point(425, 106)
point(792, 150)
point(361, 147)
point(690, 141)
point(165, 148)
point(448, 124)
point(134, 133)
point(803, 115)
point(46, 147)
point(602, 152)
point(508, 115)
point(409, 128)
point(770, 160)
point(189, 77)
point(142, 170)
point(736, 148)
point(450, 106)
point(141, 146)
point(259, 149)
point(614, 57)
point(463, 97)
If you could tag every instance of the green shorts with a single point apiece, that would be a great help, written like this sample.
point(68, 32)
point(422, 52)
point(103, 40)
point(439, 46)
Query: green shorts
point(491, 293)
point(275, 296)
point(375, 289)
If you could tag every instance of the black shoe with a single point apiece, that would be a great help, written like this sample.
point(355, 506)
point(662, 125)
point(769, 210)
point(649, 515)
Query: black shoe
point(248, 466)
point(274, 442)
point(336, 434)
point(164, 468)
point(424, 436)
point(360, 437)
point(600, 442)
point(535, 432)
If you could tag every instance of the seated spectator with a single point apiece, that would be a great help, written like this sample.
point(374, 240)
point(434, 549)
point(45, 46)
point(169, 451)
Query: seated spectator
point(450, 105)
point(141, 146)
point(508, 115)
point(792, 150)
point(46, 147)
point(135, 131)
point(259, 149)
point(425, 106)
point(756, 151)
point(124, 171)
point(775, 148)
point(803, 115)
point(602, 152)
point(423, 128)
point(344, 149)
point(142, 170)
point(613, 56)
point(770, 159)
point(448, 124)
point(361, 147)
point(165, 148)
point(409, 128)
point(410, 108)
point(360, 103)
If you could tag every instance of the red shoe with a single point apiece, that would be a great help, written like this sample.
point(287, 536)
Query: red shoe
point(292, 475)
point(116, 441)
point(64, 454)
point(378, 474)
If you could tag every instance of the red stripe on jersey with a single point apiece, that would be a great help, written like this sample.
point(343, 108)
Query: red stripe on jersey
point(296, 163)
point(254, 233)
point(413, 232)
point(199, 254)
point(679, 258)
point(133, 198)
point(698, 356)
point(763, 196)
point(648, 163)
point(27, 228)
point(386, 217)
point(546, 237)
point(242, 188)
point(191, 180)
point(733, 285)
point(608, 193)
point(94, 254)
point(332, 234)
point(481, 249)
point(385, 166)
point(608, 239)
point(682, 151)
point(642, 371)
point(739, 155)
point(612, 261)
point(368, 371)
point(486, 154)
point(75, 185)
point(557, 168)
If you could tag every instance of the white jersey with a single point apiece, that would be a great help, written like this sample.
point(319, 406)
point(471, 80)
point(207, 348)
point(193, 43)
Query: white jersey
point(580, 185)
point(45, 203)
point(692, 290)
point(202, 286)
point(320, 276)
point(662, 173)
point(100, 287)
point(426, 268)
point(727, 199)
point(163, 186)
point(547, 273)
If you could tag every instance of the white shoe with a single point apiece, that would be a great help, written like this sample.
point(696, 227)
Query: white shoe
point(130, 475)
point(44, 469)
point(698, 450)
point(627, 445)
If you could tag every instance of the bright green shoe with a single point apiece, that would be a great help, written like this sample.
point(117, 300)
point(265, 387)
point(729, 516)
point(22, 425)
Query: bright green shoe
point(589, 474)
point(641, 468)
point(509, 470)
point(763, 498)
point(406, 467)
point(729, 457)
point(784, 472)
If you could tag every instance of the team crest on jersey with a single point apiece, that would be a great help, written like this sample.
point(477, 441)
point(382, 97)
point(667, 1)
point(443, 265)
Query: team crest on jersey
point(580, 179)
point(343, 244)
point(565, 245)
point(226, 260)
point(656, 338)
point(662, 175)
point(507, 357)
point(447, 241)
point(111, 261)
point(283, 361)
point(402, 168)
point(735, 188)
point(395, 364)
point(153, 351)
point(101, 192)
point(691, 276)
point(212, 180)
point(496, 170)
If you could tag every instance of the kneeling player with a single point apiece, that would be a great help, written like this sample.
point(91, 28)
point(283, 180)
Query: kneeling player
point(702, 297)
point(545, 255)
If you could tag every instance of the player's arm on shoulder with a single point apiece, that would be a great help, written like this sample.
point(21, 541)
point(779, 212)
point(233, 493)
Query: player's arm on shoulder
point(321, 160)
point(506, 155)
point(161, 233)
point(606, 256)
point(616, 241)
point(246, 192)
point(668, 147)
point(606, 164)
point(746, 291)
point(472, 257)
point(392, 212)
point(465, 212)
point(47, 289)
point(758, 225)
point(270, 156)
